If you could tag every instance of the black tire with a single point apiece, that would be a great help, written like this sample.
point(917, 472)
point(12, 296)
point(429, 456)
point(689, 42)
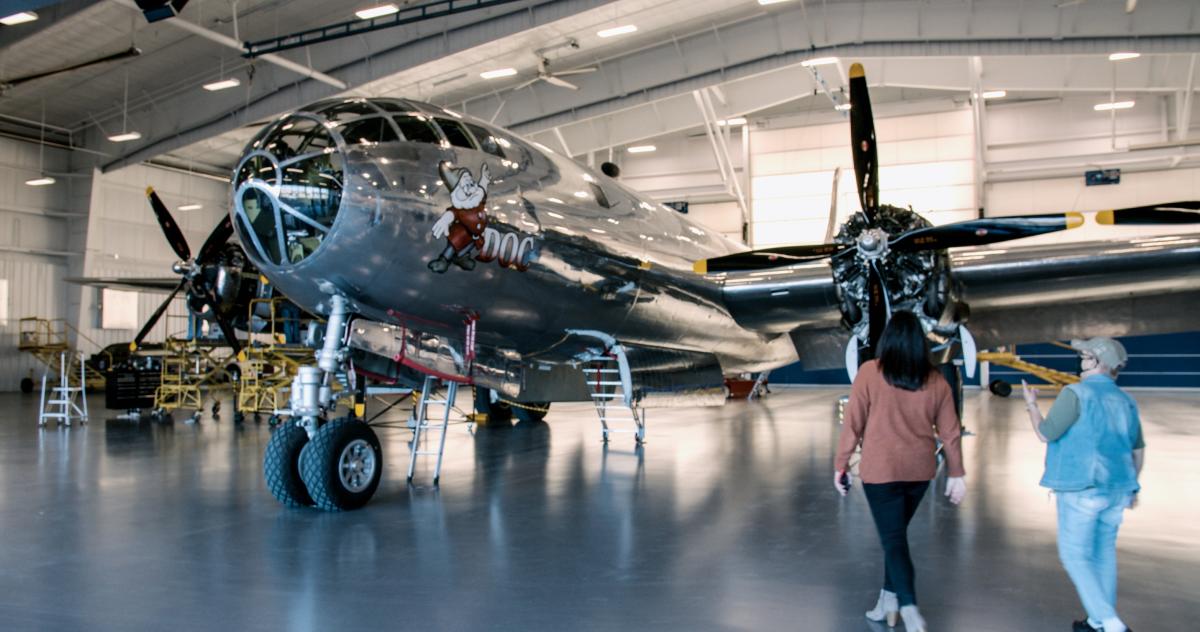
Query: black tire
point(329, 465)
point(498, 412)
point(281, 466)
point(524, 415)
point(27, 385)
point(1000, 388)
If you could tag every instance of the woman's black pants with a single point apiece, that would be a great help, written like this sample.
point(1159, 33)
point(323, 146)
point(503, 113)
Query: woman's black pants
point(893, 506)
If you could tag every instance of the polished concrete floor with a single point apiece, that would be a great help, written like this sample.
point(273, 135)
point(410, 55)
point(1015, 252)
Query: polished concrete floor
point(726, 520)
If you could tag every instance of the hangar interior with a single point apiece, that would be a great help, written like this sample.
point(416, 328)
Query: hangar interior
point(733, 112)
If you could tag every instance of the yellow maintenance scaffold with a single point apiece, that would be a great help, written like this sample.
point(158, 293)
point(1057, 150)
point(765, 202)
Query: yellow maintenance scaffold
point(267, 369)
point(47, 339)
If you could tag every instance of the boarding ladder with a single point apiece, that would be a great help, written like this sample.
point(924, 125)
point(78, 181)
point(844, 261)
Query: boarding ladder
point(421, 443)
point(610, 385)
point(68, 400)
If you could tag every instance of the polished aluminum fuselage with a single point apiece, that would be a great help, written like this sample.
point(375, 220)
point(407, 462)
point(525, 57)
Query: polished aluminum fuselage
point(624, 269)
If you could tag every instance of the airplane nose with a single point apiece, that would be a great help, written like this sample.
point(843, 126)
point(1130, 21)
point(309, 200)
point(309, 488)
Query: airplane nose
point(288, 189)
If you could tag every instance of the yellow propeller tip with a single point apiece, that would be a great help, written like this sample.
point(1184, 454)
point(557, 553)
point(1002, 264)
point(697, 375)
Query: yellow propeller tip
point(645, 265)
point(241, 356)
point(149, 191)
point(856, 71)
point(700, 267)
point(1074, 220)
point(1106, 217)
point(133, 346)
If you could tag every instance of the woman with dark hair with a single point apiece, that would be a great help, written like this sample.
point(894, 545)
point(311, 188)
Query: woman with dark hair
point(899, 408)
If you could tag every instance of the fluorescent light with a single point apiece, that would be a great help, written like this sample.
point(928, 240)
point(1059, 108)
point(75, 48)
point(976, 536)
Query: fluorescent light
point(191, 207)
point(619, 30)
point(1121, 56)
point(377, 12)
point(1119, 105)
point(125, 137)
point(995, 94)
point(642, 149)
point(737, 120)
point(498, 73)
point(40, 182)
point(766, 2)
point(819, 61)
point(18, 18)
point(842, 107)
point(223, 84)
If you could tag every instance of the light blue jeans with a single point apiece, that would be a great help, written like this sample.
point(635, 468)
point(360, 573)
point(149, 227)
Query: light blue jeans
point(1087, 545)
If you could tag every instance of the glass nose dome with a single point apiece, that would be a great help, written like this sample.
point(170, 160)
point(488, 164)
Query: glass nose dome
point(288, 188)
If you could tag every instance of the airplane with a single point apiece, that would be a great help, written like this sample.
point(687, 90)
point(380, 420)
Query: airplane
point(435, 244)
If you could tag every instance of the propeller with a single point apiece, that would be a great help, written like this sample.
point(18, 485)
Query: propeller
point(198, 283)
point(977, 232)
point(1171, 213)
point(132, 51)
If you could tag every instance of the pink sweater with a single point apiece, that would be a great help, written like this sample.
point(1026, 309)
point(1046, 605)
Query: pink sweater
point(897, 429)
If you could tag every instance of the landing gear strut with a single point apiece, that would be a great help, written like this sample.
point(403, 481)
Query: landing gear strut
point(335, 466)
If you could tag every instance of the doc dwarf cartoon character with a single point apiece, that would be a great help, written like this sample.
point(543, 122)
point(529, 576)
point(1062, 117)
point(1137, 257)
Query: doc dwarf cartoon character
point(464, 222)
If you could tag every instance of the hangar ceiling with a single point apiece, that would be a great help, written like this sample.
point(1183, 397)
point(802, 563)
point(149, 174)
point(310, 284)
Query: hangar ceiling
point(644, 83)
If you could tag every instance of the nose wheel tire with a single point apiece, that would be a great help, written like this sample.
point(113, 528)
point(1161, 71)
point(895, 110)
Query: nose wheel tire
point(342, 465)
point(281, 466)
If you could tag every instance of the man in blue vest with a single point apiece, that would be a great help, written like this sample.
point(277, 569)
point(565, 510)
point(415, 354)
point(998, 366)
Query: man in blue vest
point(1093, 457)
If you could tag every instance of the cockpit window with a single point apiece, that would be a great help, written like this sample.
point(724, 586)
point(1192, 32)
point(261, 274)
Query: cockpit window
point(289, 190)
point(368, 131)
point(347, 110)
point(416, 129)
point(487, 142)
point(389, 105)
point(455, 133)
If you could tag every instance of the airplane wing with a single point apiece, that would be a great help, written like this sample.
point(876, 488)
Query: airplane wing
point(1015, 295)
point(142, 284)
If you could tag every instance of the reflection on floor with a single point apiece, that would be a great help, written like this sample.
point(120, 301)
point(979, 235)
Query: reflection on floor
point(726, 520)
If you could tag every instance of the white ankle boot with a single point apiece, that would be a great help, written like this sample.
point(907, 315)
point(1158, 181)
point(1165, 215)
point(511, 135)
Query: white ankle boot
point(886, 608)
point(913, 621)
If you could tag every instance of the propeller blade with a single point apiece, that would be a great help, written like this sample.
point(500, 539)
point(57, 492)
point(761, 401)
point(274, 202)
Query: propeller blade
point(1170, 213)
point(227, 330)
point(169, 227)
point(132, 51)
point(977, 232)
point(216, 239)
point(878, 306)
point(562, 83)
point(767, 258)
point(862, 137)
point(141, 335)
point(527, 83)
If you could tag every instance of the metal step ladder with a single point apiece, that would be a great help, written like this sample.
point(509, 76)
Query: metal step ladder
point(610, 385)
point(760, 386)
point(421, 439)
point(66, 402)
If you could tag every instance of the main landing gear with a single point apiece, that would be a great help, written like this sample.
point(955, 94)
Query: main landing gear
point(334, 465)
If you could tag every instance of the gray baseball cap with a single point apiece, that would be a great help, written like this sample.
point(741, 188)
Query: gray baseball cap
point(1109, 352)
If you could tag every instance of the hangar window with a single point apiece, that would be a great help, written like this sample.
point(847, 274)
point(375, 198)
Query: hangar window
point(416, 128)
point(368, 131)
point(487, 142)
point(455, 133)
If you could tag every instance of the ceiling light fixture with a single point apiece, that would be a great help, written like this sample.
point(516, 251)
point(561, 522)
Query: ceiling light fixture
point(18, 18)
point(223, 84)
point(496, 74)
point(191, 207)
point(42, 179)
point(1123, 56)
point(842, 107)
point(737, 120)
point(819, 61)
point(125, 135)
point(995, 94)
point(642, 149)
point(1118, 105)
point(377, 12)
point(619, 30)
point(766, 2)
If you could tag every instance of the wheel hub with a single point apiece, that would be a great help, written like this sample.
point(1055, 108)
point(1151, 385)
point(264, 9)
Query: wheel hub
point(356, 465)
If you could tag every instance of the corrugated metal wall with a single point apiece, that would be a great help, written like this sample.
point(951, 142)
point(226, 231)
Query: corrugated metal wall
point(34, 288)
